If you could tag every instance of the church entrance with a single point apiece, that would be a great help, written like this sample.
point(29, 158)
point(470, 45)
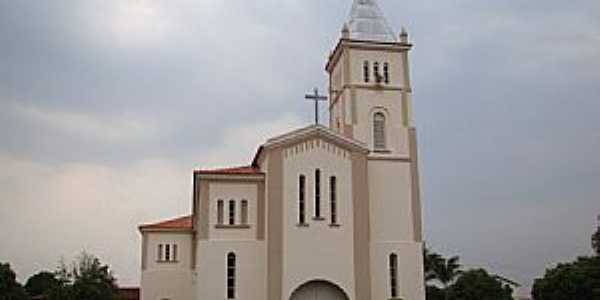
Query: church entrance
point(318, 290)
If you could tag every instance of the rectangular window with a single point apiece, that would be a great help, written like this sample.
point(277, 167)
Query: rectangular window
point(220, 208)
point(167, 252)
point(376, 72)
point(366, 71)
point(317, 193)
point(231, 212)
point(160, 252)
point(174, 252)
point(333, 196)
point(394, 275)
point(245, 212)
point(230, 276)
point(301, 199)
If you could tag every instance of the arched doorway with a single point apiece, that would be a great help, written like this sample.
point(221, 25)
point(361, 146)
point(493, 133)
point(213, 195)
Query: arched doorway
point(318, 290)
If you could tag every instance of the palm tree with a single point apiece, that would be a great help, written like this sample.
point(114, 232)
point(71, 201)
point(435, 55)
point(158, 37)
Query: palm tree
point(446, 271)
point(430, 260)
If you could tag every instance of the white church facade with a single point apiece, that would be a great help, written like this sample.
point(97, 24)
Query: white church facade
point(320, 213)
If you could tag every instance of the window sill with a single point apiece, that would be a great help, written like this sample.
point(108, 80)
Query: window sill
point(335, 225)
point(318, 218)
point(302, 224)
point(224, 226)
point(167, 261)
point(384, 151)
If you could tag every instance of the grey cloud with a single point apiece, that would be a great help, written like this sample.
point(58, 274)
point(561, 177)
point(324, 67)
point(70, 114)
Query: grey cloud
point(504, 103)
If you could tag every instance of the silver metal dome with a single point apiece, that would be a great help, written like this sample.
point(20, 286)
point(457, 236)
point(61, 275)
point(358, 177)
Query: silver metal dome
point(368, 23)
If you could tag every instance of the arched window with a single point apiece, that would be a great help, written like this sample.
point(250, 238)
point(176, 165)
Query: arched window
point(366, 71)
point(231, 276)
point(302, 199)
point(394, 275)
point(231, 212)
point(386, 73)
point(376, 72)
point(317, 194)
point(220, 208)
point(379, 131)
point(333, 198)
point(244, 212)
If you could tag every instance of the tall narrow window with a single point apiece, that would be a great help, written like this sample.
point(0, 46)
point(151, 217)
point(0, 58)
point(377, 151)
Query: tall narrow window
point(220, 208)
point(386, 73)
point(379, 131)
point(376, 72)
point(231, 212)
point(167, 252)
point(174, 252)
point(230, 276)
point(302, 199)
point(333, 198)
point(317, 193)
point(160, 252)
point(366, 71)
point(245, 212)
point(394, 275)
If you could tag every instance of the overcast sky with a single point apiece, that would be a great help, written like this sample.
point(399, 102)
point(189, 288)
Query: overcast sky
point(108, 106)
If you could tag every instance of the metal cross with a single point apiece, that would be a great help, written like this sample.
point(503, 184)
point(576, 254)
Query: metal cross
point(316, 97)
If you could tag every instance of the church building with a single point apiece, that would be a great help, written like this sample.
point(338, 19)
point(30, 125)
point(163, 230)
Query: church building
point(320, 213)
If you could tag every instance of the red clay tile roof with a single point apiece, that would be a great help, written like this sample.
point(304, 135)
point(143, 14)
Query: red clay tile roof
point(182, 223)
point(245, 170)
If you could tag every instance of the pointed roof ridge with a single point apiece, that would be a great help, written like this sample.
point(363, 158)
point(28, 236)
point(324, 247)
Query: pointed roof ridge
point(312, 129)
point(367, 22)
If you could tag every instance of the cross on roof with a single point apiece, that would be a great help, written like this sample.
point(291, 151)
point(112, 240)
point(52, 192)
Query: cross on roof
point(316, 97)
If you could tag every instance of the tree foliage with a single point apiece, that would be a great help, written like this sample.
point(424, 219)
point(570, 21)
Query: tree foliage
point(41, 283)
point(445, 280)
point(87, 278)
point(596, 241)
point(576, 280)
point(10, 289)
point(478, 284)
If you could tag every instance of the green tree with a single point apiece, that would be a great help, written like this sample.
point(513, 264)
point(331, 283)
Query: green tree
point(87, 278)
point(596, 240)
point(446, 271)
point(430, 259)
point(567, 281)
point(41, 283)
point(10, 289)
point(478, 284)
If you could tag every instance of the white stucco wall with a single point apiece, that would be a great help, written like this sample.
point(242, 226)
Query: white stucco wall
point(392, 230)
point(167, 280)
point(250, 271)
point(237, 192)
point(394, 59)
point(410, 270)
point(390, 200)
point(318, 251)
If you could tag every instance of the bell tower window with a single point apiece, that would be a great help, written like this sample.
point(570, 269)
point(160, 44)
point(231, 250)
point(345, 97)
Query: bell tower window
point(378, 78)
point(386, 73)
point(366, 71)
point(379, 141)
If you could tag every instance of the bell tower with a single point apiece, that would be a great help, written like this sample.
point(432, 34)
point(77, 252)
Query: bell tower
point(370, 101)
point(369, 79)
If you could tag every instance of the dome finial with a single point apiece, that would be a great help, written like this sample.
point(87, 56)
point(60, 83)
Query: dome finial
point(403, 35)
